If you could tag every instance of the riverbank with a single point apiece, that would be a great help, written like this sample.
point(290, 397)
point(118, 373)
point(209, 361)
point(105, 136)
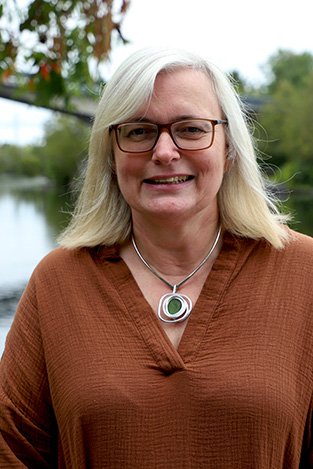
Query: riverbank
point(9, 299)
point(8, 182)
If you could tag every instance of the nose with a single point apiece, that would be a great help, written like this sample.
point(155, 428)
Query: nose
point(165, 150)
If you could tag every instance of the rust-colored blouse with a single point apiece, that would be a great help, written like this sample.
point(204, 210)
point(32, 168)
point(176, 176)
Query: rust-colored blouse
point(89, 379)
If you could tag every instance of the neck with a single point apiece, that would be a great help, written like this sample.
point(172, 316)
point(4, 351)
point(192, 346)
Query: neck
point(191, 274)
point(175, 249)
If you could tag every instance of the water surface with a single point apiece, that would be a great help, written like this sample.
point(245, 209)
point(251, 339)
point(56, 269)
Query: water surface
point(31, 218)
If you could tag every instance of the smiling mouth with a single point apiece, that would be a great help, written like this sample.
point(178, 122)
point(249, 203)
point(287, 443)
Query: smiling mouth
point(171, 180)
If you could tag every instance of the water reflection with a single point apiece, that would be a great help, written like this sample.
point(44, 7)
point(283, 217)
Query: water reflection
point(31, 218)
point(24, 239)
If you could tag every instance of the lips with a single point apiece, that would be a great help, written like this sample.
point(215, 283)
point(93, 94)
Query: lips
point(169, 180)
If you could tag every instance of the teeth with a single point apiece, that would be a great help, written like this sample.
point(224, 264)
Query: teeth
point(173, 180)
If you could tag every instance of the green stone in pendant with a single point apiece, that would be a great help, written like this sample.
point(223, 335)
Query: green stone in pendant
point(174, 305)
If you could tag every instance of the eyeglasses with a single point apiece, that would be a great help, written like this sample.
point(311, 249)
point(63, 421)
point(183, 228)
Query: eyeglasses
point(187, 134)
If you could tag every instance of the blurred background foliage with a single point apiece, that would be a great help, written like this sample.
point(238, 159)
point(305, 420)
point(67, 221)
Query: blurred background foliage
point(287, 118)
point(284, 125)
point(55, 51)
point(58, 157)
point(55, 48)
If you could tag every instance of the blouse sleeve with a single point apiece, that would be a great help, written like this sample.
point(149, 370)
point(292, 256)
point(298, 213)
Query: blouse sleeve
point(28, 428)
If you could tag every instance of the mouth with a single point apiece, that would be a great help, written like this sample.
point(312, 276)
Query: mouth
point(170, 180)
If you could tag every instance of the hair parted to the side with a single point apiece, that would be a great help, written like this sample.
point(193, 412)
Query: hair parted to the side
point(102, 216)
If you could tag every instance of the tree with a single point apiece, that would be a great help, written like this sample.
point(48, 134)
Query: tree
point(66, 146)
point(55, 47)
point(59, 157)
point(240, 83)
point(288, 118)
point(285, 65)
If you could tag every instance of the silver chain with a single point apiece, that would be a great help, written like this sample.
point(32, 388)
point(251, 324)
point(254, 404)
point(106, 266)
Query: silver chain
point(175, 287)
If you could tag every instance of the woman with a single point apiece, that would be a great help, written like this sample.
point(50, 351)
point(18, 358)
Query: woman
point(173, 329)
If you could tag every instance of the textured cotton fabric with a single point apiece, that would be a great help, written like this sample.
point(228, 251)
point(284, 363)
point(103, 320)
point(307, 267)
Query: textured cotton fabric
point(89, 378)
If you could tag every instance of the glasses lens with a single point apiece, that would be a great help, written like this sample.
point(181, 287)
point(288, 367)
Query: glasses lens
point(194, 134)
point(137, 137)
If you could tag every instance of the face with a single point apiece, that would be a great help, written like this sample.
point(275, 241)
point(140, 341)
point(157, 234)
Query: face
point(167, 183)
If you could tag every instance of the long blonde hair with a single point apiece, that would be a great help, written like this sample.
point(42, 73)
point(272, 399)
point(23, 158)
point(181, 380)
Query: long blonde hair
point(102, 216)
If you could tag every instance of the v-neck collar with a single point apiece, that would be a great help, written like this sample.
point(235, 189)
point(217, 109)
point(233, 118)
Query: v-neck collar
point(166, 357)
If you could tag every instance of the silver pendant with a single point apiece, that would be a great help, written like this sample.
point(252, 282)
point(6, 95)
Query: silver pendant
point(174, 307)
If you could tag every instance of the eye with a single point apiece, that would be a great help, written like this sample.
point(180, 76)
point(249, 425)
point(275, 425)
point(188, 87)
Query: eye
point(193, 129)
point(188, 132)
point(137, 132)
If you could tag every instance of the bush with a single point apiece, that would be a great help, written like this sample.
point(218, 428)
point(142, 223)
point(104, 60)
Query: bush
point(58, 159)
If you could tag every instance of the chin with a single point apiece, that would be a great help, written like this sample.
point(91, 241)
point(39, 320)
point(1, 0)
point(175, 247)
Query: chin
point(171, 209)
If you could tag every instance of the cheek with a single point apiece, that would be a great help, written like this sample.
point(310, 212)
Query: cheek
point(129, 171)
point(121, 163)
point(214, 164)
point(125, 169)
point(120, 171)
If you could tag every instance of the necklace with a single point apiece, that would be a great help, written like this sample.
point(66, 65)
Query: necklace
point(175, 307)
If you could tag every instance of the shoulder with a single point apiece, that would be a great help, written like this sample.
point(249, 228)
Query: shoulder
point(295, 259)
point(63, 260)
point(64, 272)
point(296, 244)
point(299, 245)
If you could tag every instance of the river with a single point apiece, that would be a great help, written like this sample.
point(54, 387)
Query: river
point(32, 214)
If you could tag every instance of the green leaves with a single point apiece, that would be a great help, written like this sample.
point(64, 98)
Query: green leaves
point(288, 118)
point(288, 66)
point(58, 158)
point(47, 47)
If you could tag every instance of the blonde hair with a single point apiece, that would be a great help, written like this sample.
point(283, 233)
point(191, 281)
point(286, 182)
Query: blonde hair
point(102, 216)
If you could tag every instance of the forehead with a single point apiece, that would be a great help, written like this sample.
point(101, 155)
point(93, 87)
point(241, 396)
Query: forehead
point(180, 94)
